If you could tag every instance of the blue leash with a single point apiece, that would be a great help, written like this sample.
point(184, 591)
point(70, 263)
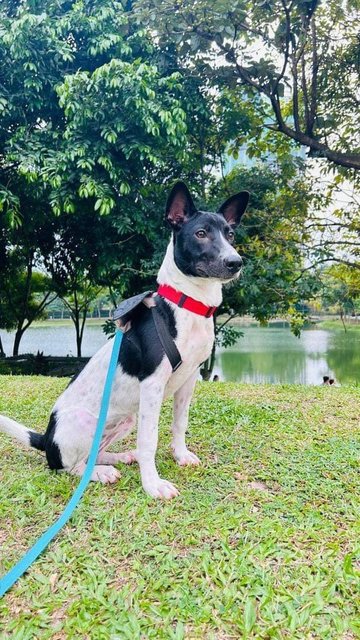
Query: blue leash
point(24, 563)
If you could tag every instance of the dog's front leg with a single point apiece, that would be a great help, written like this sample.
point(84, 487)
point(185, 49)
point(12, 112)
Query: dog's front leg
point(182, 400)
point(151, 397)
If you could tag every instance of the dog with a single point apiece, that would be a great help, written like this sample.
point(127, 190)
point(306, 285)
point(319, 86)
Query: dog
point(199, 259)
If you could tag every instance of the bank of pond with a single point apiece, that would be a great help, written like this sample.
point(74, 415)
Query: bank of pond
point(261, 355)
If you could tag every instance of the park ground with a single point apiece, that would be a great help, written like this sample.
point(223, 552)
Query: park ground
point(262, 542)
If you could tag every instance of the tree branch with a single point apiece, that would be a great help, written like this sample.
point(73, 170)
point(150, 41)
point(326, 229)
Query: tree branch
point(313, 88)
point(303, 137)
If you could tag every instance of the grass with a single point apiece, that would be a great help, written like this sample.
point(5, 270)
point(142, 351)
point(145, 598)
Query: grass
point(262, 542)
point(337, 324)
point(66, 322)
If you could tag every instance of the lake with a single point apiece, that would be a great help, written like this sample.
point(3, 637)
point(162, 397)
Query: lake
point(270, 355)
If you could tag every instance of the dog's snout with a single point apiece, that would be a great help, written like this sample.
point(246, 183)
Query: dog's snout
point(233, 263)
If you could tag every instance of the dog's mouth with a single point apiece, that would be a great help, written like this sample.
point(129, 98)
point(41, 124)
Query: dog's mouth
point(218, 271)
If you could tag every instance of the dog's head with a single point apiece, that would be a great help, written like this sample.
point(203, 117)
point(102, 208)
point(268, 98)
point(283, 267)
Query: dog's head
point(203, 241)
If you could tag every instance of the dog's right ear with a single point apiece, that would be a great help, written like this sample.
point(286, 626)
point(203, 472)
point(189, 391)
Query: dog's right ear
point(179, 206)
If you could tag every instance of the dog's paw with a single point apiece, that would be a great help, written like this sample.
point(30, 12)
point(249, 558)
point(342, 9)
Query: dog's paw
point(185, 458)
point(105, 474)
point(127, 457)
point(161, 489)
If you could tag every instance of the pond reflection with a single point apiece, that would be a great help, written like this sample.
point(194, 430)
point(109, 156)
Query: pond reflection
point(274, 355)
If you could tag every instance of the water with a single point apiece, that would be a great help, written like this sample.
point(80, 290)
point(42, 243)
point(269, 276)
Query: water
point(56, 340)
point(271, 355)
point(275, 355)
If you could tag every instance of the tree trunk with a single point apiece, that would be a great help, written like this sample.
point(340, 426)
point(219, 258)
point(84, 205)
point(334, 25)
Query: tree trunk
point(18, 335)
point(342, 320)
point(208, 366)
point(2, 352)
point(79, 328)
point(78, 335)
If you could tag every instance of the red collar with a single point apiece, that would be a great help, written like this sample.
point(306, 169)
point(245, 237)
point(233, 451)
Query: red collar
point(185, 302)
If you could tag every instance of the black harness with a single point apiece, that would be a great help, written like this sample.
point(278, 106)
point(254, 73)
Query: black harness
point(123, 315)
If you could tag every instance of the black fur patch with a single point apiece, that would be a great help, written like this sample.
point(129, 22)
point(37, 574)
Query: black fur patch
point(37, 441)
point(52, 450)
point(141, 350)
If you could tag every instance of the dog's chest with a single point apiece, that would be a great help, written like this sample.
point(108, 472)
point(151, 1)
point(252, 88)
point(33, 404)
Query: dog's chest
point(195, 337)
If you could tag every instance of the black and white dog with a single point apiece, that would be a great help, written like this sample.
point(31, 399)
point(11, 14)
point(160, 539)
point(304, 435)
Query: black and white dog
point(199, 259)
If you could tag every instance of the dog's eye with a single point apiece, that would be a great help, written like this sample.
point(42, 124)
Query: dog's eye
point(231, 235)
point(201, 233)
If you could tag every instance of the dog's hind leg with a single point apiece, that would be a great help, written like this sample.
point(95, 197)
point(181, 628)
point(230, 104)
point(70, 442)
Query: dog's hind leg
point(101, 473)
point(120, 431)
point(74, 431)
point(109, 457)
point(182, 400)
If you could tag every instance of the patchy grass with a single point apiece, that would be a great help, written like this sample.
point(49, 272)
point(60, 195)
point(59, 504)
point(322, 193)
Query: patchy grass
point(337, 324)
point(262, 543)
point(67, 322)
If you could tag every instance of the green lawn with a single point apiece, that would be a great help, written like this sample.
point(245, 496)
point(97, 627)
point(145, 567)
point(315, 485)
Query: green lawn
point(261, 543)
point(66, 322)
point(337, 324)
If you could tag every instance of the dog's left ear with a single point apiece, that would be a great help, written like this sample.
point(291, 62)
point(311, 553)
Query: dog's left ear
point(179, 206)
point(234, 207)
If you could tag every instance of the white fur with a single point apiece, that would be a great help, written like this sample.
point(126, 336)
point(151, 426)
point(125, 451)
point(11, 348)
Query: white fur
point(15, 429)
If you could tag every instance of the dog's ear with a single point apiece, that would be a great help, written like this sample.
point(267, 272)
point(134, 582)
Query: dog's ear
point(234, 207)
point(179, 206)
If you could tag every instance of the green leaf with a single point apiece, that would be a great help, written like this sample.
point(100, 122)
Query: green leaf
point(249, 615)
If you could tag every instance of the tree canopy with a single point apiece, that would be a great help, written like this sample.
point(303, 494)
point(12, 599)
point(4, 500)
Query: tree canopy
point(103, 104)
point(296, 60)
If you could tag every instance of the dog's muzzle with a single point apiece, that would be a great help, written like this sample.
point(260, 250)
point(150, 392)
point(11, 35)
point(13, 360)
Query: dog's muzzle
point(233, 264)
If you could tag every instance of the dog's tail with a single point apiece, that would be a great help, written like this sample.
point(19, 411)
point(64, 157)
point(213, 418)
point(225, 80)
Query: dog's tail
point(20, 432)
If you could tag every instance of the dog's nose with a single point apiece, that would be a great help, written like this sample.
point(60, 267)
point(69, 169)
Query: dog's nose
point(234, 263)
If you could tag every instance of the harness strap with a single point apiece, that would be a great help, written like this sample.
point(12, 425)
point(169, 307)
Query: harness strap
point(24, 563)
point(166, 340)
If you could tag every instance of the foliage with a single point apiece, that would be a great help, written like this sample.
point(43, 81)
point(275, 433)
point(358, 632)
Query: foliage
point(341, 290)
point(252, 548)
point(24, 298)
point(109, 328)
point(227, 335)
point(272, 282)
point(85, 118)
point(93, 117)
point(286, 55)
point(20, 296)
point(103, 104)
point(106, 149)
point(270, 240)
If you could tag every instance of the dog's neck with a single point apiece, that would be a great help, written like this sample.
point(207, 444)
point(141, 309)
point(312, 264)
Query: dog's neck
point(206, 290)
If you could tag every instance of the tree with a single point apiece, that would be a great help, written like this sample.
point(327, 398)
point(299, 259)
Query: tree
point(331, 232)
point(86, 117)
point(24, 298)
point(286, 55)
point(341, 290)
point(25, 291)
point(100, 114)
point(76, 261)
point(84, 107)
